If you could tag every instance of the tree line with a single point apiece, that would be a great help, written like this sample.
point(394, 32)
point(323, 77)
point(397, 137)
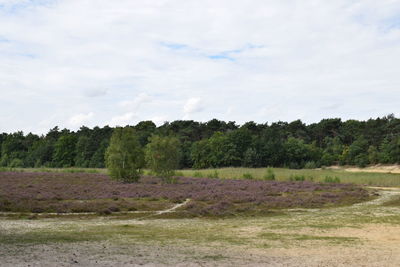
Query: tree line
point(217, 143)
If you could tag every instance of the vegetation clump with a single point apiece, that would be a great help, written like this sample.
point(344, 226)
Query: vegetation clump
point(214, 174)
point(248, 176)
point(269, 175)
point(297, 178)
point(329, 179)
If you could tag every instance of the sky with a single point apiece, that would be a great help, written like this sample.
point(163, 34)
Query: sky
point(70, 63)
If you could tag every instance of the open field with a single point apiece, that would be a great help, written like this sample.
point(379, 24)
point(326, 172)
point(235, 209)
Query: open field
point(365, 234)
point(196, 222)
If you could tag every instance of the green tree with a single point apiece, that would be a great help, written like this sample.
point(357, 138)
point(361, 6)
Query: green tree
point(163, 155)
point(64, 151)
point(223, 152)
point(200, 152)
point(250, 158)
point(373, 155)
point(124, 156)
point(82, 152)
point(358, 152)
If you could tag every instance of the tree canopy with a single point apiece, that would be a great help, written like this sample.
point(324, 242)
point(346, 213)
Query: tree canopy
point(124, 156)
point(218, 144)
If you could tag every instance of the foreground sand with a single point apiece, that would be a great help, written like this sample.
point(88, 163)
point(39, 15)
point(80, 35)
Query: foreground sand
point(365, 234)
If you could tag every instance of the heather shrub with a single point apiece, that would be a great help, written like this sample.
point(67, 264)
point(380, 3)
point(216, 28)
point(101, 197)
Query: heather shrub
point(96, 192)
point(269, 175)
point(248, 176)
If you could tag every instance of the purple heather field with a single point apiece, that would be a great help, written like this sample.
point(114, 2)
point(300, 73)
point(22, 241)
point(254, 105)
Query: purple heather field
point(78, 192)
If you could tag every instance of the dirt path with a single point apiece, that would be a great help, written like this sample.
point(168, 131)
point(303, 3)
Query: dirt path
point(153, 213)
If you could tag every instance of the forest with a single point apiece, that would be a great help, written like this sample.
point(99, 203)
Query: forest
point(216, 143)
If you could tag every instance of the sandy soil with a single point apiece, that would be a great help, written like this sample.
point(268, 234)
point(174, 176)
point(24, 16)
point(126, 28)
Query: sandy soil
point(376, 243)
point(376, 169)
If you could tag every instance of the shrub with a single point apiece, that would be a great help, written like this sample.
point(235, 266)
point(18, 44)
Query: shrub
point(269, 175)
point(248, 176)
point(329, 179)
point(297, 178)
point(16, 163)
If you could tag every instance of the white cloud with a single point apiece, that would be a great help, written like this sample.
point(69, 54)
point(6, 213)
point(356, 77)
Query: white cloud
point(80, 119)
point(153, 56)
point(136, 103)
point(95, 92)
point(123, 120)
point(159, 120)
point(193, 105)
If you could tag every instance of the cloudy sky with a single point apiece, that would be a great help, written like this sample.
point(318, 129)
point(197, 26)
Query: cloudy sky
point(99, 62)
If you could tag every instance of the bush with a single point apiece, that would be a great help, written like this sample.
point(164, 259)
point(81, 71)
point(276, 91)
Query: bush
point(248, 176)
point(269, 175)
point(329, 179)
point(16, 163)
point(297, 178)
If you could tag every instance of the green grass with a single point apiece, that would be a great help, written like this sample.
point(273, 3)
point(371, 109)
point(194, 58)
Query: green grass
point(317, 175)
point(303, 237)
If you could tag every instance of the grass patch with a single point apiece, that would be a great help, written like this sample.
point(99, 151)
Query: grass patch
point(304, 237)
point(123, 233)
point(317, 175)
point(394, 202)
